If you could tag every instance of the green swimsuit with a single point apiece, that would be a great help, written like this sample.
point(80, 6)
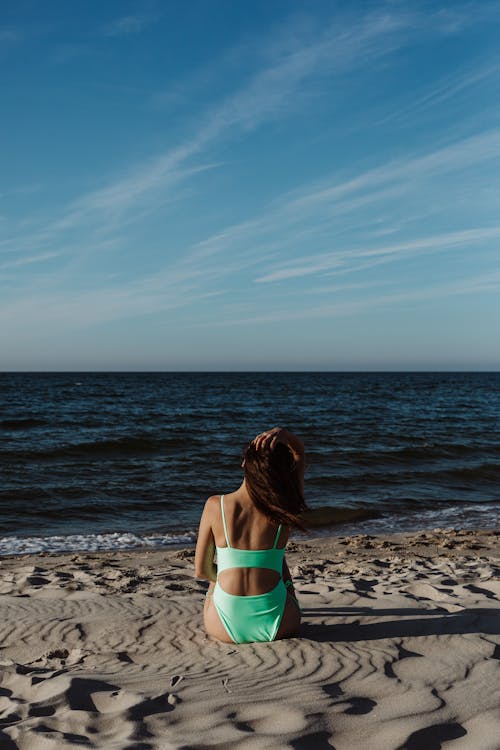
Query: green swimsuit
point(257, 617)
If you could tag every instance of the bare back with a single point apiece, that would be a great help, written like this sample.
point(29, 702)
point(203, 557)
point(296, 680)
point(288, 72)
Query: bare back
point(247, 528)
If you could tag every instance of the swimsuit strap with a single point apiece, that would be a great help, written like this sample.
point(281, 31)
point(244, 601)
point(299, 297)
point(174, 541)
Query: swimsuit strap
point(224, 519)
point(277, 537)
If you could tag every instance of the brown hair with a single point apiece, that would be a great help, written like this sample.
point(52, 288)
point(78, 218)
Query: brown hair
point(273, 483)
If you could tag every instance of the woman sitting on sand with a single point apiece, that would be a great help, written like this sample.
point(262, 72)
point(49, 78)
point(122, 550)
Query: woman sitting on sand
point(251, 596)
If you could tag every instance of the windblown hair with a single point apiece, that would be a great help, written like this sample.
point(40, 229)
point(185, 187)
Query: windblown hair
point(273, 483)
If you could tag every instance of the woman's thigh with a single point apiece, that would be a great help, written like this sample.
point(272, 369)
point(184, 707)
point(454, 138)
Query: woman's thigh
point(212, 621)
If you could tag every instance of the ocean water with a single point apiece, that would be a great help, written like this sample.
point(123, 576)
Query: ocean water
point(116, 460)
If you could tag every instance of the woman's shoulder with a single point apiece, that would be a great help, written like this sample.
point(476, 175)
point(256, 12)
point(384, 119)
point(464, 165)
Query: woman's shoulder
point(212, 502)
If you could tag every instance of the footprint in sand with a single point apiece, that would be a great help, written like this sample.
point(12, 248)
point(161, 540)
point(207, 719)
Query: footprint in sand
point(114, 701)
point(268, 718)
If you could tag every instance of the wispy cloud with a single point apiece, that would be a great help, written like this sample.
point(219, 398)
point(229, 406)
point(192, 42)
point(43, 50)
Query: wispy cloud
point(8, 36)
point(319, 211)
point(110, 202)
point(462, 15)
point(483, 283)
point(459, 155)
point(336, 49)
point(382, 254)
point(64, 310)
point(448, 87)
point(128, 25)
point(21, 190)
point(29, 260)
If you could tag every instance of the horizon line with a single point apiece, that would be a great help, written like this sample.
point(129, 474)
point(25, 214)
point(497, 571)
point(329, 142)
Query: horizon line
point(250, 371)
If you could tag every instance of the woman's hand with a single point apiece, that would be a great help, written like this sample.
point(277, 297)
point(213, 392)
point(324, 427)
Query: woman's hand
point(271, 438)
point(279, 435)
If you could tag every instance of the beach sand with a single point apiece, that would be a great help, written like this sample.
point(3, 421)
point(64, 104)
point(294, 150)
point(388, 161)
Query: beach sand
point(399, 648)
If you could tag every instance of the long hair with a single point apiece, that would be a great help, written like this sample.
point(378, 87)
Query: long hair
point(273, 483)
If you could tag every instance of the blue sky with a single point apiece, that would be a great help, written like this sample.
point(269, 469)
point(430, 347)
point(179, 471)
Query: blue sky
point(266, 185)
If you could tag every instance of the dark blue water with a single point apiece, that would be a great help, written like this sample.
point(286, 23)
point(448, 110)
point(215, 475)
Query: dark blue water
point(114, 459)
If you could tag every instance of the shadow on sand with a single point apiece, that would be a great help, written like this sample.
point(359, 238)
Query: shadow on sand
point(428, 622)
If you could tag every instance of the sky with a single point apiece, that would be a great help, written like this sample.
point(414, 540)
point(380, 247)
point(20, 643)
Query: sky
point(221, 185)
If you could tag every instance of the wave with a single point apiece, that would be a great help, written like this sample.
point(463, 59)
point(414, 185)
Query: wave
point(21, 424)
point(15, 503)
point(328, 516)
point(459, 516)
point(387, 456)
point(383, 477)
point(14, 545)
point(115, 447)
point(485, 472)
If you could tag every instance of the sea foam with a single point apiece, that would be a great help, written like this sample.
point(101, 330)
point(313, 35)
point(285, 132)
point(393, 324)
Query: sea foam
point(14, 545)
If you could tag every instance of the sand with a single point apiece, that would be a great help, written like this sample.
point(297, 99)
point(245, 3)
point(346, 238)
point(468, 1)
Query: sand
point(399, 648)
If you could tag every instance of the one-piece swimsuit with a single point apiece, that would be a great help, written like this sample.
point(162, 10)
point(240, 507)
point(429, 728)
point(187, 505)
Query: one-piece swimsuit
point(254, 617)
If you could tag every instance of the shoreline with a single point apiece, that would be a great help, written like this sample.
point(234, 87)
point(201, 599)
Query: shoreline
point(372, 522)
point(421, 538)
point(399, 645)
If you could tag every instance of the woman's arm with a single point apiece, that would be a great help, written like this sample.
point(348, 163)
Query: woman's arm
point(204, 565)
point(287, 579)
point(286, 575)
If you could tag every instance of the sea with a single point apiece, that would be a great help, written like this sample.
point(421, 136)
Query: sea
point(108, 461)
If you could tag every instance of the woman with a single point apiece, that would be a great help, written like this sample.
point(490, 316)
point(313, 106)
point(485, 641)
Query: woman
point(251, 597)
